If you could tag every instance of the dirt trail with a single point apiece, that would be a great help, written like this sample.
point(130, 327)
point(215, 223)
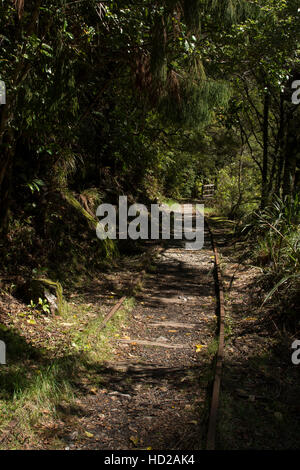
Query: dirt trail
point(153, 393)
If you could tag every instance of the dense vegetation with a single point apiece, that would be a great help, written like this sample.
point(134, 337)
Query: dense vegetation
point(151, 100)
point(147, 99)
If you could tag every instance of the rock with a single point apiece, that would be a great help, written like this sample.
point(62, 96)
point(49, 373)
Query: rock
point(52, 300)
point(74, 436)
point(34, 289)
point(162, 339)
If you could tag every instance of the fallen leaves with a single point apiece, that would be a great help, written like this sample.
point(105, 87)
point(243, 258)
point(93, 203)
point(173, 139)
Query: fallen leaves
point(134, 440)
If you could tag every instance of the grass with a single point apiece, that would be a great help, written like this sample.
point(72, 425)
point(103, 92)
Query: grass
point(36, 393)
point(209, 211)
point(37, 380)
point(92, 339)
point(212, 347)
point(170, 202)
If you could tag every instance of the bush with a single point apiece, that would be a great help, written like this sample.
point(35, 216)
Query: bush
point(276, 230)
point(237, 190)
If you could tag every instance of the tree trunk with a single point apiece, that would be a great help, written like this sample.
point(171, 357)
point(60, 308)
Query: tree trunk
point(5, 181)
point(264, 191)
point(6, 153)
point(292, 154)
point(281, 134)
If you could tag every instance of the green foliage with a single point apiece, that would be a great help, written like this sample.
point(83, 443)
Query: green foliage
point(144, 99)
point(280, 223)
point(76, 204)
point(35, 185)
point(277, 231)
point(41, 305)
point(237, 188)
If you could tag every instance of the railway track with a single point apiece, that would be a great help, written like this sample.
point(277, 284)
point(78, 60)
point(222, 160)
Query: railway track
point(167, 313)
point(214, 405)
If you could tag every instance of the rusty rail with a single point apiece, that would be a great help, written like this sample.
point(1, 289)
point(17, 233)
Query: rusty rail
point(214, 405)
point(112, 312)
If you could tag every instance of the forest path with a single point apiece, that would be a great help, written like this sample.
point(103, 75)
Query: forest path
point(153, 393)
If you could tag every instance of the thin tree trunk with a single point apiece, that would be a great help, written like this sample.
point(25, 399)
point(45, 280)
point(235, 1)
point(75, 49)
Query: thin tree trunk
point(5, 179)
point(281, 134)
point(264, 192)
point(292, 151)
